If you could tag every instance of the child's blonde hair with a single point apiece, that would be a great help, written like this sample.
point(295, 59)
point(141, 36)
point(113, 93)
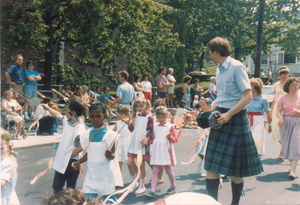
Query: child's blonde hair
point(12, 155)
point(161, 110)
point(140, 100)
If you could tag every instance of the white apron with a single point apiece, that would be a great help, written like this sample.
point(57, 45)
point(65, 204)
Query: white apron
point(139, 133)
point(258, 131)
point(162, 149)
point(125, 135)
point(102, 174)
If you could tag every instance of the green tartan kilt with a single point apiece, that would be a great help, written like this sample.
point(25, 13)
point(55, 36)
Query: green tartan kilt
point(231, 149)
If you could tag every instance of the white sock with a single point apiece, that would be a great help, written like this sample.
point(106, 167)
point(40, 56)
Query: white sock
point(142, 182)
point(32, 113)
point(26, 114)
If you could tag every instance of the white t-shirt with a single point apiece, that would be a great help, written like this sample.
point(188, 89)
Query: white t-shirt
point(40, 111)
point(147, 86)
point(12, 103)
point(195, 102)
point(70, 139)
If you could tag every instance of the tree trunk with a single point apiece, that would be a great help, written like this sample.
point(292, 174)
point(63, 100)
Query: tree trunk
point(259, 38)
point(201, 61)
point(48, 55)
point(237, 53)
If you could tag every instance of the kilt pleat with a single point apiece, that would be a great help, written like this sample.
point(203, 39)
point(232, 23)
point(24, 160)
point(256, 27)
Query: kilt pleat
point(231, 149)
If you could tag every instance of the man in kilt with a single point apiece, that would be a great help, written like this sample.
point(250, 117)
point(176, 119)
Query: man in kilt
point(231, 149)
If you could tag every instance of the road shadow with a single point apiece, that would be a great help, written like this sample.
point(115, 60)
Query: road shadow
point(295, 188)
point(274, 177)
point(188, 177)
point(270, 161)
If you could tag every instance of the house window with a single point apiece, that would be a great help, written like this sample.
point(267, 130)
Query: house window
point(289, 58)
point(280, 58)
point(264, 60)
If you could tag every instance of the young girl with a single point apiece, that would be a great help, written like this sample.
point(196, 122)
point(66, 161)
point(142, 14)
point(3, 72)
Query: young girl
point(103, 173)
point(8, 172)
point(162, 153)
point(125, 134)
point(142, 129)
point(73, 127)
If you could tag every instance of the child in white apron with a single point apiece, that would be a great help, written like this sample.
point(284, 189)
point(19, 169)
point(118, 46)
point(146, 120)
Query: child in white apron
point(125, 134)
point(8, 172)
point(163, 153)
point(142, 129)
point(103, 173)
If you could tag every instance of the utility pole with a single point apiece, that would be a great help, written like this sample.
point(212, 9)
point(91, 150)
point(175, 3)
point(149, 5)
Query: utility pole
point(259, 38)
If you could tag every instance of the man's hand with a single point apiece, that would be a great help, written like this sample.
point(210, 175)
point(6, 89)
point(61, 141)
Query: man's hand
point(225, 117)
point(75, 165)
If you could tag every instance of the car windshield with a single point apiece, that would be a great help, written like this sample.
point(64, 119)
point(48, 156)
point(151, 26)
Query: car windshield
point(268, 91)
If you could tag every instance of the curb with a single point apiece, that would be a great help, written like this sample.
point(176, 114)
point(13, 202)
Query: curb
point(36, 145)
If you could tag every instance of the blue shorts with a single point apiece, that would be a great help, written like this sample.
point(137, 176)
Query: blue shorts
point(30, 91)
point(162, 94)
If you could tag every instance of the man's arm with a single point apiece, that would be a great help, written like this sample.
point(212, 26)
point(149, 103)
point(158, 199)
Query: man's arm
point(7, 75)
point(53, 112)
point(247, 97)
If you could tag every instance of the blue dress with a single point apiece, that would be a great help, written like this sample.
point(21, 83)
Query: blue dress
point(188, 93)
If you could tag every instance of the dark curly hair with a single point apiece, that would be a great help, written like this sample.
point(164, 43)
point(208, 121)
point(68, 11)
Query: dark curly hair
point(288, 82)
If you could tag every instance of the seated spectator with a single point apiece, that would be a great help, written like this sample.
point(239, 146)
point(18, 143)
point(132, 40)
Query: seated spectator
point(47, 123)
point(98, 92)
point(66, 90)
point(106, 98)
point(91, 94)
point(11, 106)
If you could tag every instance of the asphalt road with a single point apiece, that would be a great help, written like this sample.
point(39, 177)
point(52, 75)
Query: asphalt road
point(271, 187)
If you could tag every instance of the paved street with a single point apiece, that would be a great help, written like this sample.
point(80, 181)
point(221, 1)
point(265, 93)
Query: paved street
point(270, 187)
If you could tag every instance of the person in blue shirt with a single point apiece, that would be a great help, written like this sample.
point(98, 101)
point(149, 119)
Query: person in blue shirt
point(30, 89)
point(231, 149)
point(125, 91)
point(15, 77)
point(106, 98)
point(256, 110)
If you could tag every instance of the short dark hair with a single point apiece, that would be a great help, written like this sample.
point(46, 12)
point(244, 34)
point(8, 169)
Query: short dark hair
point(198, 106)
point(288, 82)
point(136, 77)
point(29, 63)
point(124, 74)
point(98, 106)
point(196, 80)
point(161, 69)
point(182, 104)
point(105, 87)
point(145, 74)
point(46, 100)
point(221, 45)
point(77, 105)
point(187, 78)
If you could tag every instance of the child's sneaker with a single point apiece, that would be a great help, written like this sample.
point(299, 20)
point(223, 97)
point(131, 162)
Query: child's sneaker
point(171, 190)
point(140, 190)
point(26, 116)
point(135, 186)
point(150, 194)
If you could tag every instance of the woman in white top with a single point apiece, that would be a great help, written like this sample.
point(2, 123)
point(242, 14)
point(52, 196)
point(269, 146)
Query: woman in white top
point(138, 86)
point(170, 88)
point(147, 87)
point(10, 106)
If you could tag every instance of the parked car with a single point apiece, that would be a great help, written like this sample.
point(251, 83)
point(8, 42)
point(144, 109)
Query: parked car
point(268, 93)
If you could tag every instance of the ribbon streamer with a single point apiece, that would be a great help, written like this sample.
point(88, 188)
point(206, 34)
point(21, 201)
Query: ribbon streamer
point(42, 173)
point(130, 187)
point(195, 155)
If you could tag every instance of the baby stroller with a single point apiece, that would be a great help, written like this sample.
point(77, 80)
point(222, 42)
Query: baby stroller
point(11, 126)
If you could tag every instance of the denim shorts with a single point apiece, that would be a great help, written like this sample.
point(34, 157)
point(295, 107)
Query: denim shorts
point(30, 91)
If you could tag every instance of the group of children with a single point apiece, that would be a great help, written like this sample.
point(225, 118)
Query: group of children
point(105, 149)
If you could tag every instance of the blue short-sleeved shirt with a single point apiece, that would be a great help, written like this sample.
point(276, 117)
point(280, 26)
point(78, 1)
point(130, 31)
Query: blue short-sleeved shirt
point(16, 73)
point(258, 104)
point(127, 92)
point(29, 73)
point(103, 95)
point(232, 81)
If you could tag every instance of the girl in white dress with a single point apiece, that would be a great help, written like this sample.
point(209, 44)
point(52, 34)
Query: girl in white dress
point(125, 134)
point(8, 172)
point(141, 128)
point(103, 173)
point(162, 153)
